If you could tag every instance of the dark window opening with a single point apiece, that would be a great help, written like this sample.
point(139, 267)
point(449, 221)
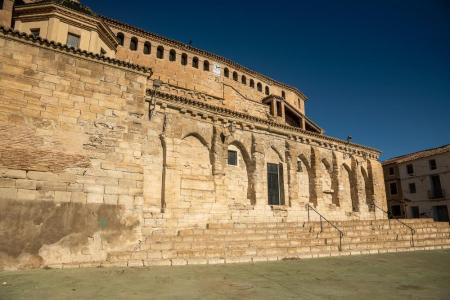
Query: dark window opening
point(252, 83)
point(1, 4)
point(206, 65)
point(244, 79)
point(267, 90)
point(120, 38)
point(279, 109)
point(412, 188)
point(410, 169)
point(172, 55)
point(283, 94)
point(226, 72)
point(292, 119)
point(415, 212)
point(440, 213)
point(184, 59)
point(436, 188)
point(35, 32)
point(232, 158)
point(391, 171)
point(73, 40)
point(396, 210)
point(259, 87)
point(133, 44)
point(235, 76)
point(160, 52)
point(393, 188)
point(195, 62)
point(147, 48)
point(432, 163)
point(275, 185)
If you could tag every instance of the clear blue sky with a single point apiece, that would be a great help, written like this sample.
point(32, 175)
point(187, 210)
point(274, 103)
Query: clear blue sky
point(377, 70)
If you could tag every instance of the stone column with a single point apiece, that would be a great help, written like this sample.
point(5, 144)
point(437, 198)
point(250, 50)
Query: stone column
point(316, 195)
point(259, 173)
point(291, 162)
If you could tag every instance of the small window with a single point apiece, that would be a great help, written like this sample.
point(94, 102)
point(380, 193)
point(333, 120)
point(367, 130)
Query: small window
point(396, 210)
point(267, 90)
point(206, 65)
point(235, 76)
point(172, 55)
point(35, 32)
point(195, 62)
point(133, 44)
point(102, 51)
point(226, 72)
point(391, 171)
point(393, 188)
point(73, 40)
point(252, 83)
point(432, 163)
point(412, 188)
point(232, 158)
point(283, 94)
point(147, 48)
point(184, 59)
point(410, 169)
point(244, 79)
point(259, 87)
point(120, 38)
point(160, 52)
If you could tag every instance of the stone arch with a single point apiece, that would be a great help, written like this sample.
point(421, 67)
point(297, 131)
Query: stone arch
point(349, 186)
point(367, 188)
point(199, 137)
point(326, 176)
point(280, 156)
point(239, 179)
point(305, 179)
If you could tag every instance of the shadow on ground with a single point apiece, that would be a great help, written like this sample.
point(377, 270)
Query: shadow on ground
point(418, 275)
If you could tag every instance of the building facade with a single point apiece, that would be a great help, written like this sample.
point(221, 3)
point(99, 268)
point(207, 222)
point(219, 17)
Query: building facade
point(417, 184)
point(110, 133)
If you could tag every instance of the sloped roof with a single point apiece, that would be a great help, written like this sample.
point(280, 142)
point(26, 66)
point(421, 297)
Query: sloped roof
point(418, 154)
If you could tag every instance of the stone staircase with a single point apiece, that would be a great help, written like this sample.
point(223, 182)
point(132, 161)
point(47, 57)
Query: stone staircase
point(233, 243)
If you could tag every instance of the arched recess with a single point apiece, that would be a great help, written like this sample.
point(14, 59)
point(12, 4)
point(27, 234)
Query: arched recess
point(194, 164)
point(349, 192)
point(276, 180)
point(199, 137)
point(327, 181)
point(305, 179)
point(367, 191)
point(239, 178)
point(278, 153)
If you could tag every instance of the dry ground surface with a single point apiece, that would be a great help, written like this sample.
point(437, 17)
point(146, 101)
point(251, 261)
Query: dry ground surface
point(418, 275)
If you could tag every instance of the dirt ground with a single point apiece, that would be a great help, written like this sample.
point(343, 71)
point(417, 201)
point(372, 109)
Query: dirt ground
point(419, 275)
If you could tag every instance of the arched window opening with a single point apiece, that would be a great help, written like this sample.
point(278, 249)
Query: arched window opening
point(259, 87)
point(267, 90)
point(283, 94)
point(252, 83)
point(147, 48)
point(184, 59)
point(244, 79)
point(226, 72)
point(172, 55)
point(206, 65)
point(195, 62)
point(160, 52)
point(235, 76)
point(120, 38)
point(133, 44)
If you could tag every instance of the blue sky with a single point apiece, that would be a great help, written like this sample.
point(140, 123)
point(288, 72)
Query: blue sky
point(376, 70)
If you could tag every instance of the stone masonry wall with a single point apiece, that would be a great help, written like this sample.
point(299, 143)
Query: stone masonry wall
point(71, 139)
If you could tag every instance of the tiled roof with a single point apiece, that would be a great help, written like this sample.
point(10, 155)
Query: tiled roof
point(417, 155)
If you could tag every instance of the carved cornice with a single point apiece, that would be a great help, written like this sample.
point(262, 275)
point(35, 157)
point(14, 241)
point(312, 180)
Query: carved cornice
point(209, 55)
point(51, 45)
point(216, 113)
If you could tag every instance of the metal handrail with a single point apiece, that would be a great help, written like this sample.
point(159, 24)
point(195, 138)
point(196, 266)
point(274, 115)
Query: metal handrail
point(391, 216)
point(341, 233)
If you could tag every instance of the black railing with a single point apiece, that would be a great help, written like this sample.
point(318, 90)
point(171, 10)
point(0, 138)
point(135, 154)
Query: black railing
point(341, 233)
point(391, 216)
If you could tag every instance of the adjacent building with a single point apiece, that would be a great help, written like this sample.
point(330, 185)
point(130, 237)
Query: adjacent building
point(418, 184)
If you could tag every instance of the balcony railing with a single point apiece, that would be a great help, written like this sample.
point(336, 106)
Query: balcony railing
point(436, 194)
